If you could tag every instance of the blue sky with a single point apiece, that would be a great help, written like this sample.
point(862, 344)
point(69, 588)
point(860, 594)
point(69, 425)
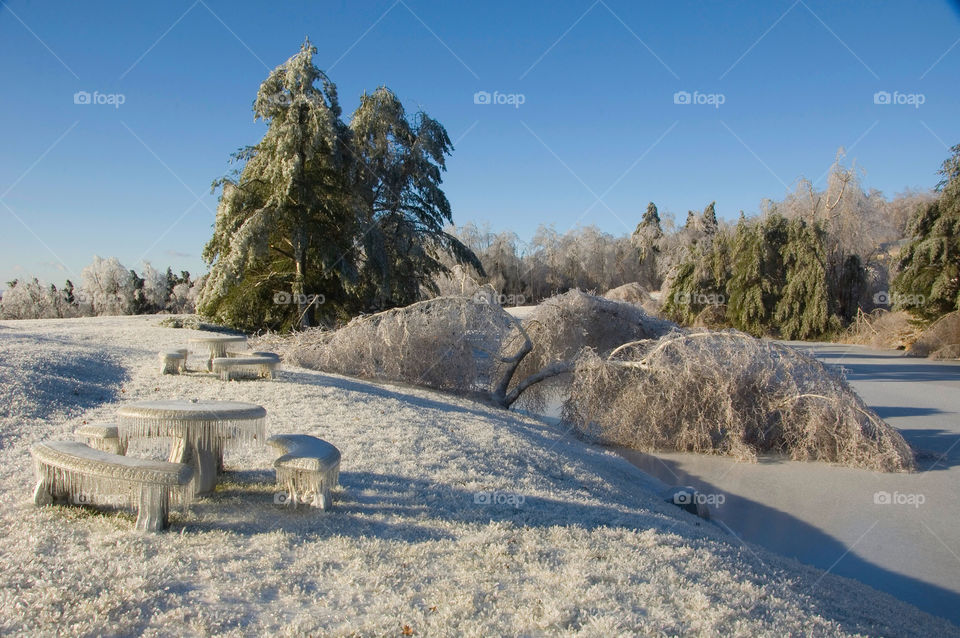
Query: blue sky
point(597, 136)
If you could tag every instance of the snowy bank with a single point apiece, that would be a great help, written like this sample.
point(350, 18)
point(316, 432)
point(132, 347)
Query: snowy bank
point(453, 518)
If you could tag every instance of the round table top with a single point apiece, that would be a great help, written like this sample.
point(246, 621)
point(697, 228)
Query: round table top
point(218, 339)
point(193, 410)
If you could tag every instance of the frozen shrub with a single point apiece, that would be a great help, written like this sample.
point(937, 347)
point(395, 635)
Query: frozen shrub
point(560, 327)
point(448, 343)
point(944, 332)
point(635, 294)
point(728, 393)
point(881, 328)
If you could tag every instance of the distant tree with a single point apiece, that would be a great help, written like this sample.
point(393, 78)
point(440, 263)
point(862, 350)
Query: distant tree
point(108, 287)
point(757, 273)
point(68, 293)
point(928, 281)
point(647, 238)
point(708, 221)
point(154, 290)
point(140, 305)
point(801, 311)
point(848, 296)
point(700, 280)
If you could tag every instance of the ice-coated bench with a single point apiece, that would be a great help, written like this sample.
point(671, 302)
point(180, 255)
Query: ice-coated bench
point(173, 361)
point(102, 436)
point(74, 472)
point(307, 469)
point(245, 366)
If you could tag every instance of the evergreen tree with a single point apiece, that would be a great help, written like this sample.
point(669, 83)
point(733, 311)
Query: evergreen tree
point(171, 281)
point(647, 238)
point(757, 274)
point(801, 311)
point(284, 216)
point(140, 304)
point(402, 210)
point(708, 221)
point(851, 290)
point(350, 215)
point(928, 282)
point(650, 223)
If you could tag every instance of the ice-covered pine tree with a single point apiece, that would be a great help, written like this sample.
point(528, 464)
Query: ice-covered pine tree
point(928, 283)
point(756, 276)
point(285, 215)
point(647, 239)
point(402, 210)
point(349, 215)
point(802, 311)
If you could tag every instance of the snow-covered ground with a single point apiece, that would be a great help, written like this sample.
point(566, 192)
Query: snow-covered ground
point(575, 540)
point(838, 518)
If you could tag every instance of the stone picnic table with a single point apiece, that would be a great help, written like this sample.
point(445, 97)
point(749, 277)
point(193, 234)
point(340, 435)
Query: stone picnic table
point(200, 431)
point(217, 345)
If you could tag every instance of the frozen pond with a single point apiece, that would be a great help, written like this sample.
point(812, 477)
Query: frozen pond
point(837, 518)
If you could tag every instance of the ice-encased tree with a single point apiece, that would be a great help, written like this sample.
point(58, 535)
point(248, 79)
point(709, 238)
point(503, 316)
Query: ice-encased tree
point(928, 283)
point(402, 211)
point(802, 310)
point(154, 288)
point(757, 273)
point(107, 287)
point(285, 216)
point(352, 216)
point(647, 239)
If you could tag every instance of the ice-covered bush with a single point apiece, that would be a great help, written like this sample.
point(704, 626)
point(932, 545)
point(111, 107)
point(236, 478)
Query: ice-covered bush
point(728, 393)
point(881, 328)
point(448, 343)
point(560, 327)
point(470, 344)
point(941, 335)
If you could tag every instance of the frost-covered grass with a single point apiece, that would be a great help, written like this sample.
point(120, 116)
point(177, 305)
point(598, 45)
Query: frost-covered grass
point(591, 550)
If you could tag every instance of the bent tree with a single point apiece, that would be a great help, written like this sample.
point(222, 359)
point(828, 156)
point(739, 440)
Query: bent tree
point(324, 219)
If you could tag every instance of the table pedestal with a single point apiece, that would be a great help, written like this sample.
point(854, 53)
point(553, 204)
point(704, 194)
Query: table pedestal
point(206, 464)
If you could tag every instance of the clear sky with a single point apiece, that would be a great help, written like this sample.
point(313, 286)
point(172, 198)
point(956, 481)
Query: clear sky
point(587, 129)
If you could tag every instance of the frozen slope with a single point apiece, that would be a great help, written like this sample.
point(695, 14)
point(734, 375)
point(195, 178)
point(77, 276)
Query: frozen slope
point(574, 542)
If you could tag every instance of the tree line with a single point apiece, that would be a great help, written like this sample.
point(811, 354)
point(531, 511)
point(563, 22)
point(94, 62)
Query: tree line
point(802, 268)
point(106, 288)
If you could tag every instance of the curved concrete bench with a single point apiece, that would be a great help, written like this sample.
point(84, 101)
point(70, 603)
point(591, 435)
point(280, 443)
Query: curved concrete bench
point(308, 468)
point(172, 362)
point(245, 366)
point(272, 355)
point(75, 472)
point(103, 437)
